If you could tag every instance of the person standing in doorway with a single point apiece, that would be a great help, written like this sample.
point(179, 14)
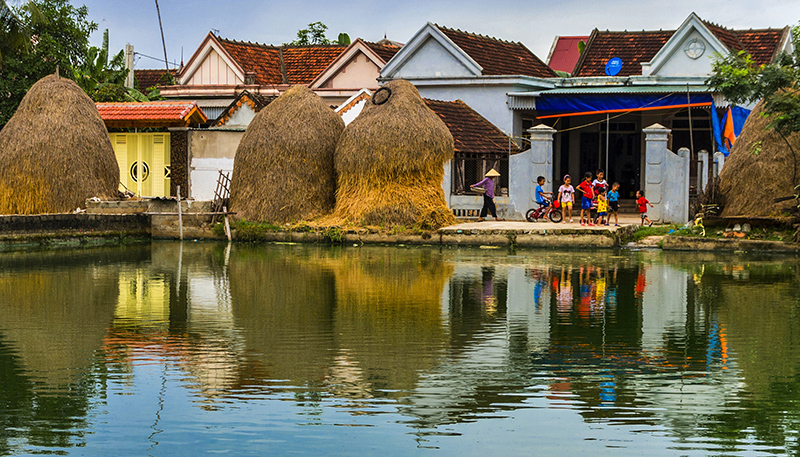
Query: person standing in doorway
point(488, 183)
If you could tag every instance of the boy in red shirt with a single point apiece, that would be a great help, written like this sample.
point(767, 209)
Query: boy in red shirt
point(585, 187)
point(643, 202)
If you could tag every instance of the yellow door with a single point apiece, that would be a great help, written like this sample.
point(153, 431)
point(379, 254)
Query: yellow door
point(144, 161)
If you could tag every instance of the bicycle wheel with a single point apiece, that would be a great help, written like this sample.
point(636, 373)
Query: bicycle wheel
point(555, 216)
point(530, 216)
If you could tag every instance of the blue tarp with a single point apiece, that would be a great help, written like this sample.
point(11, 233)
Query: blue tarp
point(738, 114)
point(564, 105)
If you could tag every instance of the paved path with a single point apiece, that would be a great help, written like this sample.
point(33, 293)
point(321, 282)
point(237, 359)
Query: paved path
point(490, 224)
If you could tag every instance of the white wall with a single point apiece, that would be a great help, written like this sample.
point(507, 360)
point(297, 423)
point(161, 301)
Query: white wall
point(209, 152)
point(432, 60)
point(214, 70)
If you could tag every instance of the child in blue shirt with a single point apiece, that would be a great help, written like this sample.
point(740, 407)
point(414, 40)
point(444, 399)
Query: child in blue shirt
point(613, 203)
point(541, 198)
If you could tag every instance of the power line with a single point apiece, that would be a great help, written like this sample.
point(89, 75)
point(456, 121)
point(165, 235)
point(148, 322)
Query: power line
point(157, 59)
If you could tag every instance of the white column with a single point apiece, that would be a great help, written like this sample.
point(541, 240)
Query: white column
point(526, 166)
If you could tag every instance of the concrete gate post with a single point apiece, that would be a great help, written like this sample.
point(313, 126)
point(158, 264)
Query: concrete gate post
point(526, 166)
point(702, 170)
point(666, 177)
point(719, 161)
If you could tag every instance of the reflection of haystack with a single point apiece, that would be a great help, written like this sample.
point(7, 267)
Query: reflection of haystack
point(284, 305)
point(389, 313)
point(51, 318)
point(761, 167)
point(390, 162)
point(55, 152)
point(284, 164)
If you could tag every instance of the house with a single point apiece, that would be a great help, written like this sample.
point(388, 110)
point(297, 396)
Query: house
point(625, 81)
point(151, 163)
point(220, 69)
point(450, 64)
point(565, 52)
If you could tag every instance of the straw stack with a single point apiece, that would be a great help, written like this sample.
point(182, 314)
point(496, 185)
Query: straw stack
point(283, 169)
point(390, 162)
point(55, 152)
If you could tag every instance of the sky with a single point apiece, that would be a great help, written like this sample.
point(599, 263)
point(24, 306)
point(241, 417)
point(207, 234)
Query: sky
point(535, 23)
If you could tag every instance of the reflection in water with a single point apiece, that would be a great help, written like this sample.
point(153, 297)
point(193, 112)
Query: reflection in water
point(137, 350)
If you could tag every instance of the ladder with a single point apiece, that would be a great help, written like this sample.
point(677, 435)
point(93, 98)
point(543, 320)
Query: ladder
point(222, 194)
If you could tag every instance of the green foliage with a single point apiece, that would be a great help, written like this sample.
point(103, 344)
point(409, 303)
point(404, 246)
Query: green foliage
point(755, 148)
point(58, 37)
point(315, 34)
point(742, 81)
point(659, 230)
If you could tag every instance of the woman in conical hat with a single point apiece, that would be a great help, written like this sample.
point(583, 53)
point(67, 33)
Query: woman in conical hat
point(488, 183)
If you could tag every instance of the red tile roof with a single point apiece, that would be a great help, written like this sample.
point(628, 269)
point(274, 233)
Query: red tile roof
point(761, 44)
point(384, 51)
point(145, 79)
point(565, 53)
point(274, 65)
point(151, 114)
point(498, 57)
point(635, 48)
point(304, 63)
point(632, 47)
point(471, 132)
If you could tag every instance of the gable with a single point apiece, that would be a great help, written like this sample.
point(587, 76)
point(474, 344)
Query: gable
point(213, 70)
point(432, 59)
point(691, 55)
point(359, 71)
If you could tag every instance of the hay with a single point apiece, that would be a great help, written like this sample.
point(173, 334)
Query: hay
point(390, 162)
point(55, 152)
point(283, 169)
point(759, 168)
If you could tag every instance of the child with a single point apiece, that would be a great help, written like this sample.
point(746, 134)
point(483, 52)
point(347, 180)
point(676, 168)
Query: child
point(566, 192)
point(541, 198)
point(599, 182)
point(602, 207)
point(643, 202)
point(587, 199)
point(613, 203)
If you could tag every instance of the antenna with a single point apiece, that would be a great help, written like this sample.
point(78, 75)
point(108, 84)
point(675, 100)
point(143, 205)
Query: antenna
point(163, 43)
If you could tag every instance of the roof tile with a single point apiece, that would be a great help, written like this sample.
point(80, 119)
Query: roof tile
point(384, 51)
point(472, 133)
point(145, 79)
point(498, 57)
point(163, 113)
point(632, 47)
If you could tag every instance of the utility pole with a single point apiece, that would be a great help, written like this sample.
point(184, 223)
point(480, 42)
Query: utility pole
point(163, 43)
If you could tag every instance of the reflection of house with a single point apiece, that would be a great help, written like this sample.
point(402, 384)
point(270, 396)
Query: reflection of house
point(221, 69)
point(151, 164)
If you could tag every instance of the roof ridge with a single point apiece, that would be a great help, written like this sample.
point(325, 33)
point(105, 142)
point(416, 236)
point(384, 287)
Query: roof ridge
point(478, 35)
point(282, 46)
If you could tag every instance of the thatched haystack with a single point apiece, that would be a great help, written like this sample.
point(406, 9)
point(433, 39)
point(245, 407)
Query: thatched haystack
point(55, 152)
point(760, 167)
point(390, 162)
point(283, 169)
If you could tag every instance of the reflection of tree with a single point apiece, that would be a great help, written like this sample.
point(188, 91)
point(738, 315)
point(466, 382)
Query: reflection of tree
point(56, 307)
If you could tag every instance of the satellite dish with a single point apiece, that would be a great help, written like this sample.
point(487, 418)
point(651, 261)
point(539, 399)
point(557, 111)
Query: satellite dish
point(613, 66)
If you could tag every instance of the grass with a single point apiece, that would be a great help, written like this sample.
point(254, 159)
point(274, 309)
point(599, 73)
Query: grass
point(657, 230)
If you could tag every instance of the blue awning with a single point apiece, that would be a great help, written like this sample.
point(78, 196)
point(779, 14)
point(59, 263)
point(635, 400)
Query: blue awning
point(560, 105)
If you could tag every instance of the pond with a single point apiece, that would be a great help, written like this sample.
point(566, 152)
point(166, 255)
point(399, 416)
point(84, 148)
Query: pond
point(275, 349)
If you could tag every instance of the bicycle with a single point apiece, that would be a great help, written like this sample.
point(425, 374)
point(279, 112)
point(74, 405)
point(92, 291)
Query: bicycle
point(544, 211)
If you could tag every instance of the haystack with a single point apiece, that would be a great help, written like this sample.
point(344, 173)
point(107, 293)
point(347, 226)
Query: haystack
point(760, 167)
point(55, 152)
point(390, 162)
point(284, 165)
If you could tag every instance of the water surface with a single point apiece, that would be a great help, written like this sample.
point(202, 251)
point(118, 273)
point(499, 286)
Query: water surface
point(175, 349)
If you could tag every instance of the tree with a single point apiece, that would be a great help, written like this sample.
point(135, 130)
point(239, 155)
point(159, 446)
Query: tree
point(742, 81)
point(59, 38)
point(315, 34)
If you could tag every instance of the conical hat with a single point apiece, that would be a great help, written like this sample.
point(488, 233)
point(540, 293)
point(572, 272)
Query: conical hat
point(491, 173)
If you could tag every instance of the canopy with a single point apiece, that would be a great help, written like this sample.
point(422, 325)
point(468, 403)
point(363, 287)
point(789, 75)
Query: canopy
point(562, 105)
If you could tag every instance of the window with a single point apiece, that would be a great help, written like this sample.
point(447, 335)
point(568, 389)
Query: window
point(469, 168)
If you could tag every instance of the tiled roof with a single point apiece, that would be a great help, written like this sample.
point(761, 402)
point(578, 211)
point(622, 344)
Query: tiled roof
point(471, 132)
point(498, 57)
point(635, 48)
point(565, 53)
point(761, 44)
point(151, 114)
point(256, 102)
point(263, 60)
point(384, 51)
point(146, 79)
point(632, 47)
point(282, 64)
point(304, 63)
